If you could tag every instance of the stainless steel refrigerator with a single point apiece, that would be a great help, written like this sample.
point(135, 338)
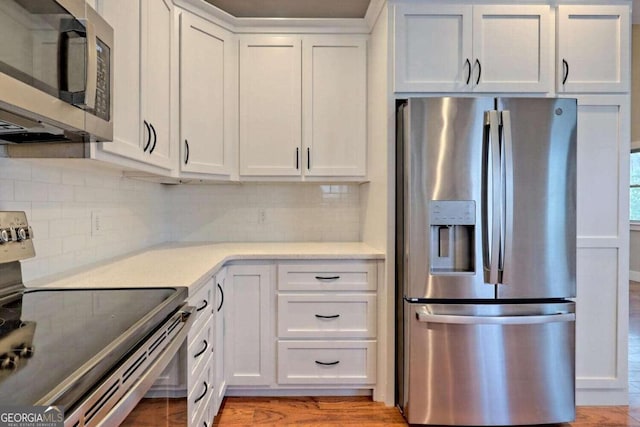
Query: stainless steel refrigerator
point(486, 259)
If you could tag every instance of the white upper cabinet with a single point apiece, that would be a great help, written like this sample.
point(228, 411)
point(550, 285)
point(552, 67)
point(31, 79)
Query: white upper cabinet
point(482, 48)
point(124, 17)
point(207, 80)
point(334, 95)
point(512, 48)
point(270, 105)
point(156, 80)
point(593, 48)
point(432, 47)
point(303, 106)
point(142, 66)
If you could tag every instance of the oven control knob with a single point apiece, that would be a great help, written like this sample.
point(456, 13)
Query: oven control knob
point(5, 236)
point(21, 233)
point(24, 350)
point(8, 361)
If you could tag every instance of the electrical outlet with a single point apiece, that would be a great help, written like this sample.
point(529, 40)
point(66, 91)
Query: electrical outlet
point(97, 227)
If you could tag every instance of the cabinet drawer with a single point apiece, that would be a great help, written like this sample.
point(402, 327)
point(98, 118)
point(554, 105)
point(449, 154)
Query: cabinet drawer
point(199, 350)
point(327, 276)
point(326, 362)
point(327, 316)
point(199, 392)
point(203, 301)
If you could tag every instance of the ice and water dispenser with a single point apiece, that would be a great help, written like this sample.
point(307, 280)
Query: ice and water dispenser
point(452, 248)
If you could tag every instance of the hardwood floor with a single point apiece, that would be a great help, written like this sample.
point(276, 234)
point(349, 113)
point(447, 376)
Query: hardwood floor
point(361, 411)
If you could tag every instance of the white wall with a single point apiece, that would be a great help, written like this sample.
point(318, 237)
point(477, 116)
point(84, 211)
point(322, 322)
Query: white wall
point(265, 212)
point(59, 200)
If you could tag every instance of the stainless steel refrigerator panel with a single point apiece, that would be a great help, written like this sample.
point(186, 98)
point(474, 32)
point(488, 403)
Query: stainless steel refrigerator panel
point(539, 225)
point(493, 364)
point(443, 151)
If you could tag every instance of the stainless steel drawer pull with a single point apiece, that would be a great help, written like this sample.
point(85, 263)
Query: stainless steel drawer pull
point(327, 363)
point(327, 277)
point(204, 305)
point(204, 393)
point(320, 316)
point(201, 352)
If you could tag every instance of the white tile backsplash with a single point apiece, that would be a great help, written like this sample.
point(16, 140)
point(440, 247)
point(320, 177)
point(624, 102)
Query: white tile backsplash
point(59, 199)
point(271, 212)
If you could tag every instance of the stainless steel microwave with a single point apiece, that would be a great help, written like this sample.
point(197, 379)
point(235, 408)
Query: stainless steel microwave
point(56, 74)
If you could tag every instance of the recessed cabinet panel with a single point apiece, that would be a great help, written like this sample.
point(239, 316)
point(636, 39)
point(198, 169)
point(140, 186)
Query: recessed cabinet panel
point(598, 159)
point(270, 106)
point(593, 48)
point(334, 106)
point(512, 47)
point(432, 48)
point(477, 48)
point(204, 96)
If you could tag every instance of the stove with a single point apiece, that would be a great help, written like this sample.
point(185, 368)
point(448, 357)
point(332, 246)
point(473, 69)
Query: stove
point(93, 352)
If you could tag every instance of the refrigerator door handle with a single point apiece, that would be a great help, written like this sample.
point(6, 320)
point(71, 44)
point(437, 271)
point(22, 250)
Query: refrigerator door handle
point(425, 317)
point(491, 198)
point(507, 199)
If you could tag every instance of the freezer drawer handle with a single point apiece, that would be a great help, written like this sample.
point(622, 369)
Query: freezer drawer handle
point(327, 277)
point(320, 316)
point(494, 320)
point(327, 363)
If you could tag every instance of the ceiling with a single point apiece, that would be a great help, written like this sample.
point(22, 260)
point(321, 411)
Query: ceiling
point(293, 8)
point(314, 8)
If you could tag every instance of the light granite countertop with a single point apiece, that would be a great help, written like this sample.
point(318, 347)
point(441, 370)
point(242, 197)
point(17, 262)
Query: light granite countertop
point(170, 265)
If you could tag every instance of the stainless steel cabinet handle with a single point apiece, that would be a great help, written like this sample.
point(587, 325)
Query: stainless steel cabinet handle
point(201, 352)
point(425, 317)
point(565, 69)
point(186, 151)
point(327, 363)
point(334, 316)
point(155, 138)
point(146, 125)
point(204, 305)
point(204, 393)
point(327, 277)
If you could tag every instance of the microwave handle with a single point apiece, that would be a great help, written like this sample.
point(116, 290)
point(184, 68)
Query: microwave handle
point(92, 66)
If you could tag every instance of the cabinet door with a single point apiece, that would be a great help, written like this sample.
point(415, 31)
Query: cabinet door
point(250, 341)
point(593, 48)
point(432, 48)
point(205, 91)
point(270, 106)
point(602, 243)
point(220, 385)
point(334, 103)
point(156, 81)
point(512, 49)
point(124, 17)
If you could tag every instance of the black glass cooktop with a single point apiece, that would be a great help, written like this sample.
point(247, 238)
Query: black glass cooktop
point(48, 337)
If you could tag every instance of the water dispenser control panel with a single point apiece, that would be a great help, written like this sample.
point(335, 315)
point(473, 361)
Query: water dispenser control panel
point(452, 212)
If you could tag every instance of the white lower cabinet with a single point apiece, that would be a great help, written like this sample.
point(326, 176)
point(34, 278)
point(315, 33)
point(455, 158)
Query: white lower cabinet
point(249, 341)
point(220, 373)
point(327, 362)
point(200, 356)
point(329, 307)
